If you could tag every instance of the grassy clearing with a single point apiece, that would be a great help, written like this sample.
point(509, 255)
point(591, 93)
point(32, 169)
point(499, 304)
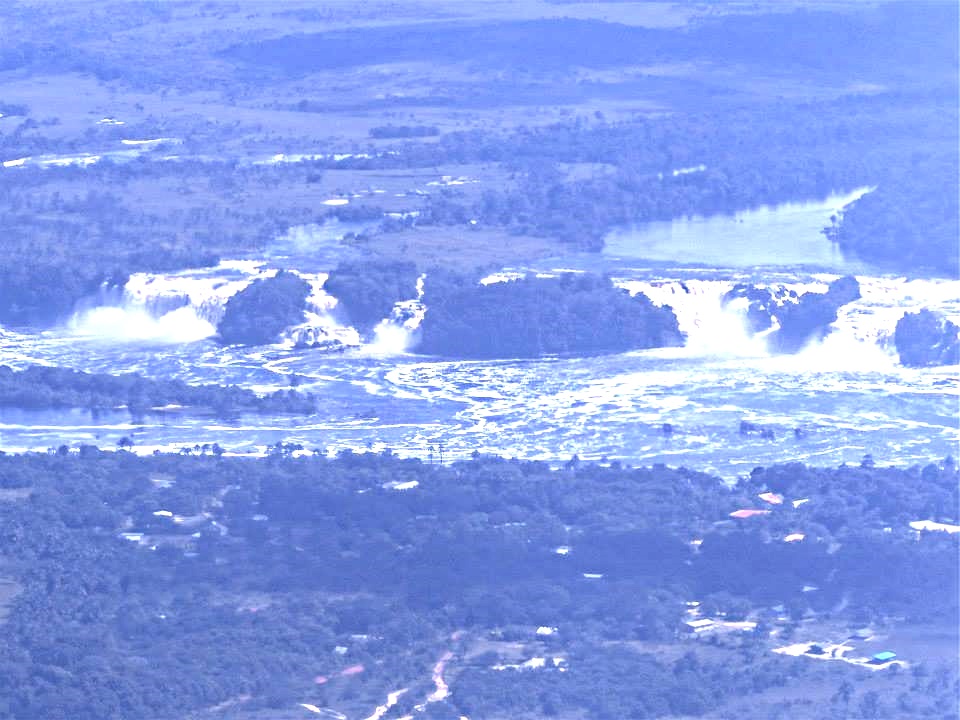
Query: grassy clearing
point(460, 248)
point(9, 589)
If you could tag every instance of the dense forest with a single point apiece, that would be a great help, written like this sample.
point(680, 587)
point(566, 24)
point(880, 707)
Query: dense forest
point(37, 387)
point(367, 291)
point(926, 338)
point(258, 314)
point(907, 220)
point(154, 586)
point(531, 317)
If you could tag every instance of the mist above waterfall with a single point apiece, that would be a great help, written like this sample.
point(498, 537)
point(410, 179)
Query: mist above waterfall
point(398, 333)
point(133, 324)
point(710, 328)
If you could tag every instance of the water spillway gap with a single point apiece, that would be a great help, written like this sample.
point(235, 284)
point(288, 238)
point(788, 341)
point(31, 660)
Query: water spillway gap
point(710, 326)
point(397, 334)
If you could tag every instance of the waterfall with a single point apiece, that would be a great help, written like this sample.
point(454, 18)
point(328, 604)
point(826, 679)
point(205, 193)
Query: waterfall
point(864, 328)
point(319, 328)
point(710, 328)
point(174, 308)
point(398, 333)
point(187, 306)
point(861, 337)
point(132, 324)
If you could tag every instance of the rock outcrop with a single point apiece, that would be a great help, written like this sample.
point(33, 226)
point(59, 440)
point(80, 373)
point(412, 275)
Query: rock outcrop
point(762, 304)
point(793, 320)
point(811, 316)
point(926, 338)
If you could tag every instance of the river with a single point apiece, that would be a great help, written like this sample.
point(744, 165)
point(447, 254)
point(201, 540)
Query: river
point(834, 402)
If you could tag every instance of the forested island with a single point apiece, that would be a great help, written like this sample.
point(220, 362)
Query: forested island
point(155, 587)
point(795, 320)
point(39, 387)
point(926, 338)
point(532, 317)
point(258, 314)
point(367, 291)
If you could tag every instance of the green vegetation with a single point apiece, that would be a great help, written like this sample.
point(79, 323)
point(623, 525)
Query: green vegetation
point(244, 576)
point(766, 115)
point(925, 338)
point(470, 134)
point(367, 291)
point(573, 314)
point(258, 314)
point(789, 151)
point(898, 38)
point(43, 388)
point(909, 221)
point(812, 314)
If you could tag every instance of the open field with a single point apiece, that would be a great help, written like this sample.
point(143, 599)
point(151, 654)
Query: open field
point(9, 589)
point(241, 83)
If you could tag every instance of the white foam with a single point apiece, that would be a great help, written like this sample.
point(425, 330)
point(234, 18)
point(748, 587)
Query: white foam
point(250, 267)
point(711, 328)
point(389, 339)
point(689, 170)
point(81, 160)
point(319, 325)
point(151, 142)
point(130, 325)
point(503, 276)
point(398, 333)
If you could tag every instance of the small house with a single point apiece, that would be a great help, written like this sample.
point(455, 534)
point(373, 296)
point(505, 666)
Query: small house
point(699, 626)
point(882, 657)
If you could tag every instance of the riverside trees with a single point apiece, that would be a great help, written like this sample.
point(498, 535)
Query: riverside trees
point(161, 585)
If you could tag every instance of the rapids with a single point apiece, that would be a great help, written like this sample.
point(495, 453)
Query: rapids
point(835, 401)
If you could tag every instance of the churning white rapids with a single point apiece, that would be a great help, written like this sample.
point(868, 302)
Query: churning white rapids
point(847, 394)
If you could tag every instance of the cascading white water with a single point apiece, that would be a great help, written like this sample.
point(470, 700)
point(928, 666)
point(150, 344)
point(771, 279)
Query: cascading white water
point(397, 334)
point(133, 324)
point(320, 328)
point(187, 306)
point(711, 328)
point(861, 337)
point(173, 308)
point(205, 291)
